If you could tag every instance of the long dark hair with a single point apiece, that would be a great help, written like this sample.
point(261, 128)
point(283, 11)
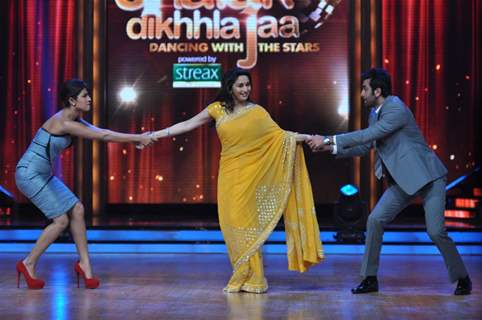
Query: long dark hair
point(71, 89)
point(225, 95)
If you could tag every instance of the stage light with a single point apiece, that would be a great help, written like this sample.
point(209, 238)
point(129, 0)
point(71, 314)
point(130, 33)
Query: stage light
point(343, 108)
point(350, 215)
point(152, 8)
point(349, 190)
point(128, 95)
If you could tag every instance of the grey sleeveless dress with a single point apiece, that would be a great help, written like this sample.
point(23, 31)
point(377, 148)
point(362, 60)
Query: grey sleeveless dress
point(34, 174)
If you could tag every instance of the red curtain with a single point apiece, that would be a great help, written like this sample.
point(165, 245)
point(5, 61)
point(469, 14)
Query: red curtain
point(433, 51)
point(38, 53)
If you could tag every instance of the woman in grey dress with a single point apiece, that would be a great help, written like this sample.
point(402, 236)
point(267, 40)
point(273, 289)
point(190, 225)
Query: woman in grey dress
point(35, 180)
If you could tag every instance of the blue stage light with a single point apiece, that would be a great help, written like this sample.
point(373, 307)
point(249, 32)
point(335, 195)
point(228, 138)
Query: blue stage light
point(349, 190)
point(350, 215)
point(2, 189)
point(128, 95)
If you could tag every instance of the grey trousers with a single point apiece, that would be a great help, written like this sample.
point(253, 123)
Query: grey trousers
point(394, 200)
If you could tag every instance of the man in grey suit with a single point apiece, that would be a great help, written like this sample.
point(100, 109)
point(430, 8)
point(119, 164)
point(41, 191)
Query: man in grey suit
point(411, 169)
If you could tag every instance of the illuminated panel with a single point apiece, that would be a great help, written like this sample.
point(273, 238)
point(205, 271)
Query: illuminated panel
point(466, 203)
point(477, 192)
point(460, 214)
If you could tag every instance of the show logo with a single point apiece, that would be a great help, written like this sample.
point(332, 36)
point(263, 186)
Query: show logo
point(248, 27)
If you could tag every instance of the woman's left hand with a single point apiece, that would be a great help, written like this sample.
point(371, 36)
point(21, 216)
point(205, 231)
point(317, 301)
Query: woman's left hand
point(302, 137)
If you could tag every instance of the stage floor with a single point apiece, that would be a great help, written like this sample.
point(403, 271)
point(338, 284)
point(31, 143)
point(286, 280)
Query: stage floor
point(189, 286)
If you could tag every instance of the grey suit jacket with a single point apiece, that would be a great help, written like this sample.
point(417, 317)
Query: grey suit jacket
point(399, 144)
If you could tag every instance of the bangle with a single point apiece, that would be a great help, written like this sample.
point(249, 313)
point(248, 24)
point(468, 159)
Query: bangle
point(167, 132)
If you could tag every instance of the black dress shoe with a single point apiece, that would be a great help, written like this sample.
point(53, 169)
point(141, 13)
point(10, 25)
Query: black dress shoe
point(369, 284)
point(464, 286)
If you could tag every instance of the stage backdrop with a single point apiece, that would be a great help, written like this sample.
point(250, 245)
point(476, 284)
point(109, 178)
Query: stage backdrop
point(37, 54)
point(433, 51)
point(297, 52)
point(432, 48)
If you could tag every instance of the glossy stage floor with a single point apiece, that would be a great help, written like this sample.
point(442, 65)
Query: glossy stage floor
point(189, 286)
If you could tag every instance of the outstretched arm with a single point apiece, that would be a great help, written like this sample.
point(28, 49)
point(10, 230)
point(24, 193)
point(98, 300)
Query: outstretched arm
point(393, 118)
point(357, 151)
point(198, 120)
point(319, 143)
point(86, 130)
point(300, 137)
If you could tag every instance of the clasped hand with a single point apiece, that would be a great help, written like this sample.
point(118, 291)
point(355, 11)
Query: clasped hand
point(147, 139)
point(319, 143)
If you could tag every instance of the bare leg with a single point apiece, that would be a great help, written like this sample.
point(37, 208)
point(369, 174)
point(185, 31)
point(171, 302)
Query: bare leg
point(49, 235)
point(77, 229)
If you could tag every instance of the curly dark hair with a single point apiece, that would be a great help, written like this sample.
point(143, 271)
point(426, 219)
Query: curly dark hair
point(225, 95)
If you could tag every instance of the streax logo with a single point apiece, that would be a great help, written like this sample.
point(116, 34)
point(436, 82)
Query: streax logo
point(193, 75)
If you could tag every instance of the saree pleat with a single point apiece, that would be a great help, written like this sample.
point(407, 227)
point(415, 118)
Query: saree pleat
point(262, 176)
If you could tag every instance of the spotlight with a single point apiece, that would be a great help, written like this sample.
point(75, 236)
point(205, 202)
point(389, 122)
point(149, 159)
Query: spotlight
point(343, 109)
point(152, 8)
point(348, 190)
point(350, 215)
point(128, 95)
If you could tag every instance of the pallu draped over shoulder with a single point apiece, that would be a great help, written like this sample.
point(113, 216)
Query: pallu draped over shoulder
point(262, 176)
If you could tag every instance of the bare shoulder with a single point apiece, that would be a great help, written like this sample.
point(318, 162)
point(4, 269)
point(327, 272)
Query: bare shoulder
point(54, 124)
point(78, 127)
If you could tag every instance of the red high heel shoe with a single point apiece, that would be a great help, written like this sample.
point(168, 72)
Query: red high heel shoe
point(90, 283)
point(32, 283)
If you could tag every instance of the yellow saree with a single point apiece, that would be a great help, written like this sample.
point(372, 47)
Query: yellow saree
point(262, 176)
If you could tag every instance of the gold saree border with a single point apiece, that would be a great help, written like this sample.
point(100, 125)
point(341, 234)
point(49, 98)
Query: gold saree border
point(298, 193)
point(226, 117)
point(248, 288)
point(291, 141)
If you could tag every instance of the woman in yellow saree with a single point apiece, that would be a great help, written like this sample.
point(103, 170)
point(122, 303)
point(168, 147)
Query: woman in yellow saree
point(262, 176)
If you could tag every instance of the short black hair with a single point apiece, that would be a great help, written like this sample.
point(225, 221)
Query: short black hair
point(71, 89)
point(379, 78)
